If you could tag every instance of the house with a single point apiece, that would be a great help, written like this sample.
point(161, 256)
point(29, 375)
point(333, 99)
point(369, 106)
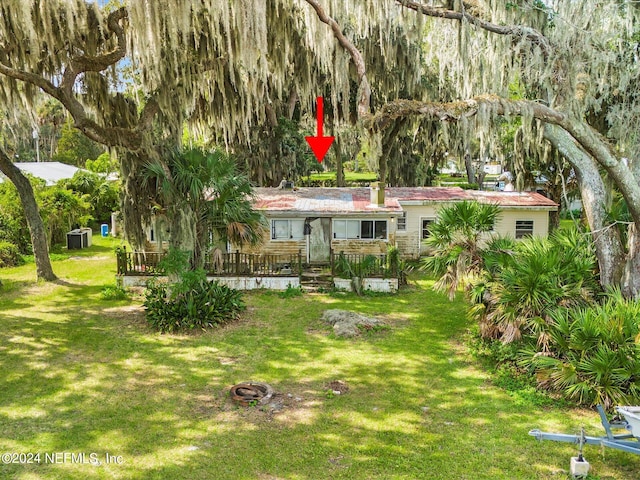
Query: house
point(322, 221)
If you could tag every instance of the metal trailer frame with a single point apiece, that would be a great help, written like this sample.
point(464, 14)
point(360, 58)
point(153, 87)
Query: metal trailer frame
point(625, 442)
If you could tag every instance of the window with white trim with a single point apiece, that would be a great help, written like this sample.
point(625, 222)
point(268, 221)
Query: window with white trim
point(360, 229)
point(402, 223)
point(524, 228)
point(287, 229)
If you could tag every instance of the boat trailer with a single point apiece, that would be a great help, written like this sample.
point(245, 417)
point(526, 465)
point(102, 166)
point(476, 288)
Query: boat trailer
point(627, 442)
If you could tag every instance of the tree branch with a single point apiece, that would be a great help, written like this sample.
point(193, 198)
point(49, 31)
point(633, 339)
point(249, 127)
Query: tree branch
point(87, 63)
point(517, 31)
point(589, 139)
point(364, 88)
point(111, 136)
point(455, 111)
point(29, 77)
point(148, 113)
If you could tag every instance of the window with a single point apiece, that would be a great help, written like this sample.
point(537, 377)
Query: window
point(402, 223)
point(339, 229)
point(287, 229)
point(366, 229)
point(360, 229)
point(380, 229)
point(353, 229)
point(426, 223)
point(524, 228)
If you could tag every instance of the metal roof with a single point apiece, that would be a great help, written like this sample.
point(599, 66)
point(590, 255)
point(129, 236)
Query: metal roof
point(513, 199)
point(50, 172)
point(315, 200)
point(427, 194)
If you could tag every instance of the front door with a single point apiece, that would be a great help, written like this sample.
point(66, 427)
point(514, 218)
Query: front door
point(320, 240)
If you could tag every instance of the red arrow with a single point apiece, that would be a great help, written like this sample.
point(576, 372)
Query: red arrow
point(319, 144)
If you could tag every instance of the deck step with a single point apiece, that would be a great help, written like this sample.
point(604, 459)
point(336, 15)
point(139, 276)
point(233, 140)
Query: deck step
point(313, 279)
point(316, 287)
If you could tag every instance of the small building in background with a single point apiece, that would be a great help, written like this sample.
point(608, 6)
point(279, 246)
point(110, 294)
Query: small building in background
point(50, 172)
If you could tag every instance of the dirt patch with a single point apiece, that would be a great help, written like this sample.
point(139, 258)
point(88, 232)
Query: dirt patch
point(287, 409)
point(130, 314)
point(228, 360)
point(130, 317)
point(337, 387)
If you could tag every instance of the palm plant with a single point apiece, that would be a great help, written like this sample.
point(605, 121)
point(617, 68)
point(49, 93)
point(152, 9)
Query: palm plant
point(456, 240)
point(593, 355)
point(498, 254)
point(545, 274)
point(207, 185)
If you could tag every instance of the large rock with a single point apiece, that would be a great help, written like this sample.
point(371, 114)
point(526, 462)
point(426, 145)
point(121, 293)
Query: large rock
point(345, 323)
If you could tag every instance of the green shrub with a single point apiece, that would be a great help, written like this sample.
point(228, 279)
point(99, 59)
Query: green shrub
point(593, 354)
point(9, 255)
point(192, 301)
point(343, 267)
point(189, 305)
point(367, 266)
point(521, 288)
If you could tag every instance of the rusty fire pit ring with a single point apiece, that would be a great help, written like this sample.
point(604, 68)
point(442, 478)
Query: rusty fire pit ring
point(251, 393)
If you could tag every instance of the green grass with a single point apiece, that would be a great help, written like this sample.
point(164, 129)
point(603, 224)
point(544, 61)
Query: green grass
point(567, 223)
point(449, 179)
point(86, 375)
point(348, 176)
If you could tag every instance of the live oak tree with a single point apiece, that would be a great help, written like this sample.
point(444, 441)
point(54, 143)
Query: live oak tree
point(577, 62)
point(447, 71)
point(577, 65)
point(217, 67)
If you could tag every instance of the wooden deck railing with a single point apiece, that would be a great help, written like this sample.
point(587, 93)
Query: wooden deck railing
point(225, 264)
point(139, 263)
point(255, 265)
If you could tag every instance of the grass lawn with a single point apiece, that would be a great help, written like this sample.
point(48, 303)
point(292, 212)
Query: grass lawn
point(348, 176)
point(85, 375)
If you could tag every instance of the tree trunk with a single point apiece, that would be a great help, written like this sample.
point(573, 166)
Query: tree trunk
point(631, 278)
point(44, 270)
point(183, 231)
point(468, 165)
point(339, 168)
point(387, 144)
point(606, 238)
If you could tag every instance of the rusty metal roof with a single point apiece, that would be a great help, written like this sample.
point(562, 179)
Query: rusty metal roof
point(318, 200)
point(322, 200)
point(513, 199)
point(427, 194)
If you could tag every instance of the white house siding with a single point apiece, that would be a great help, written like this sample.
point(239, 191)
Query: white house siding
point(409, 242)
point(506, 223)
